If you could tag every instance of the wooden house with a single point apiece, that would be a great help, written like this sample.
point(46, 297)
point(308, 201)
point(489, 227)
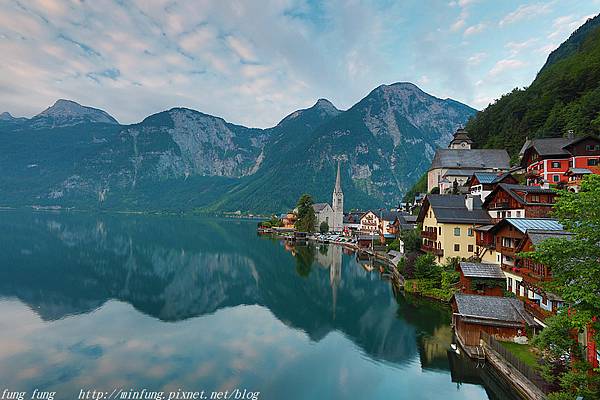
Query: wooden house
point(501, 317)
point(519, 201)
point(480, 278)
point(483, 183)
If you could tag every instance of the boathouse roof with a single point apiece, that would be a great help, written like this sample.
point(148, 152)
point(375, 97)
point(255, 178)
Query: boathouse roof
point(481, 270)
point(491, 310)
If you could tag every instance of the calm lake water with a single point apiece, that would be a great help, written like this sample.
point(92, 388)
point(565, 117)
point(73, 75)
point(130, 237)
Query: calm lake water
point(99, 302)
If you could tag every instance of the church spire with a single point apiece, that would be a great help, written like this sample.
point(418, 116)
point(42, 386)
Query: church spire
point(338, 180)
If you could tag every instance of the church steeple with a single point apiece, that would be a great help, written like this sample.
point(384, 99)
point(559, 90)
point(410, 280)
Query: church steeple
point(338, 180)
point(338, 203)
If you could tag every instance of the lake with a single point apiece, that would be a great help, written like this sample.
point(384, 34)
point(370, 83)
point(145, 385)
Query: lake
point(120, 302)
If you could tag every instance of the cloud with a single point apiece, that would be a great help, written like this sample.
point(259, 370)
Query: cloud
point(476, 58)
point(475, 29)
point(505, 65)
point(525, 11)
point(566, 24)
point(516, 48)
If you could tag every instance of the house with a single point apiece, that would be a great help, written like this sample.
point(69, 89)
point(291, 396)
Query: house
point(289, 220)
point(547, 160)
point(483, 183)
point(403, 222)
point(508, 236)
point(352, 222)
point(485, 247)
point(501, 317)
point(449, 223)
point(481, 278)
point(529, 275)
point(519, 201)
point(368, 241)
point(369, 222)
point(574, 178)
point(457, 157)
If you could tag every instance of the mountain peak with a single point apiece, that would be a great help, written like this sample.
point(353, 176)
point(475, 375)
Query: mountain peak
point(67, 112)
point(6, 116)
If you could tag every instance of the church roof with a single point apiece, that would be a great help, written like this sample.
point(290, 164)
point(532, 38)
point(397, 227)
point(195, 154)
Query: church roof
point(318, 207)
point(338, 180)
point(461, 135)
point(477, 159)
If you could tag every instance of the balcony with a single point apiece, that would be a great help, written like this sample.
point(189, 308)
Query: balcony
point(501, 205)
point(508, 251)
point(431, 235)
point(537, 311)
point(433, 250)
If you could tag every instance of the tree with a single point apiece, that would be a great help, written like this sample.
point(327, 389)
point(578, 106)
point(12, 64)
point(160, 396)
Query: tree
point(426, 268)
point(324, 227)
point(575, 265)
point(306, 214)
point(412, 240)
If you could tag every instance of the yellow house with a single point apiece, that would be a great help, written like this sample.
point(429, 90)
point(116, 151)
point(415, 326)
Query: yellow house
point(448, 225)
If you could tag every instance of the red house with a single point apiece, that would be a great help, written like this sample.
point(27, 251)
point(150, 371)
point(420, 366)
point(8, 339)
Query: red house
point(547, 160)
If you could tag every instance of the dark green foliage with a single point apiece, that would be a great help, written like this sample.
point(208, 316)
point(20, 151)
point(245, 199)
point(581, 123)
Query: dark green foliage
point(419, 187)
point(305, 257)
point(426, 268)
point(411, 239)
point(306, 214)
point(324, 227)
point(394, 245)
point(565, 95)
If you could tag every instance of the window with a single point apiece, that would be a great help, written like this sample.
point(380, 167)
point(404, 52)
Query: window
point(589, 147)
point(456, 247)
point(535, 198)
point(555, 164)
point(508, 214)
point(470, 248)
point(456, 231)
point(518, 214)
point(470, 232)
point(592, 162)
point(555, 178)
point(439, 230)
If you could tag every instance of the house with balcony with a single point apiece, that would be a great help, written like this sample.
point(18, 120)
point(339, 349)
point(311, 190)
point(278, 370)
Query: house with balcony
point(448, 225)
point(369, 223)
point(483, 183)
point(530, 275)
point(519, 201)
point(547, 160)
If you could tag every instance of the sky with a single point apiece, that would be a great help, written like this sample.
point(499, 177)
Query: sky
point(253, 62)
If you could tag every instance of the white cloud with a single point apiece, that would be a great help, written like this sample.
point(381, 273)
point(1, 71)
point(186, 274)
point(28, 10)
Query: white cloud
point(563, 26)
point(525, 11)
point(476, 58)
point(475, 29)
point(505, 65)
point(516, 48)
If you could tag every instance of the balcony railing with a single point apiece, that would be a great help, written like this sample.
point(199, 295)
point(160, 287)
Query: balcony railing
point(499, 205)
point(431, 235)
point(433, 250)
point(536, 310)
point(507, 250)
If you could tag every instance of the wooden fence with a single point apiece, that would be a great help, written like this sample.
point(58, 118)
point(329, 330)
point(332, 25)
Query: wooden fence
point(527, 371)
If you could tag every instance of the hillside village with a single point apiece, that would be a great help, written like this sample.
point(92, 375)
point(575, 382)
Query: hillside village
point(482, 216)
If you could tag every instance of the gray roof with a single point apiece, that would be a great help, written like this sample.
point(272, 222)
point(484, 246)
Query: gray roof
point(492, 310)
point(481, 270)
point(547, 146)
point(484, 228)
point(459, 172)
point(489, 177)
point(537, 236)
point(471, 159)
point(452, 209)
point(318, 207)
point(579, 171)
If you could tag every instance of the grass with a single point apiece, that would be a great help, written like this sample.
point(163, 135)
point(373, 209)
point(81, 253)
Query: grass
point(426, 288)
point(523, 352)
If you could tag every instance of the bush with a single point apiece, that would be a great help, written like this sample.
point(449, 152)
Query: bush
point(394, 245)
point(324, 227)
point(426, 268)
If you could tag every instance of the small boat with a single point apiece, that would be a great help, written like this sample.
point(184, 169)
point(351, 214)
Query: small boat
point(367, 267)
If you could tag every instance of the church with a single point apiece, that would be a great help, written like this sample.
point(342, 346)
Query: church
point(334, 214)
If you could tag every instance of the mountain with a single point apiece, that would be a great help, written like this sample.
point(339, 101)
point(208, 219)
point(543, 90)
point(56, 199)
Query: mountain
point(69, 113)
point(6, 116)
point(386, 141)
point(181, 159)
point(565, 95)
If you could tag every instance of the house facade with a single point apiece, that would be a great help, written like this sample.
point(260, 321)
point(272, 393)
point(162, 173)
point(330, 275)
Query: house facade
point(518, 201)
point(483, 183)
point(449, 223)
point(548, 160)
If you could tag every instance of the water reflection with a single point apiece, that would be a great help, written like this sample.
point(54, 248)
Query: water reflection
point(163, 302)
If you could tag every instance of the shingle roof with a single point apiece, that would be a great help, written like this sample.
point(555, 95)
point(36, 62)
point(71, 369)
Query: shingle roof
point(452, 208)
point(525, 224)
point(481, 270)
point(547, 146)
point(539, 235)
point(458, 172)
point(471, 159)
point(492, 310)
point(579, 171)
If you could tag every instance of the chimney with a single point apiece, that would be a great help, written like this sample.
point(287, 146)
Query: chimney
point(570, 134)
point(469, 202)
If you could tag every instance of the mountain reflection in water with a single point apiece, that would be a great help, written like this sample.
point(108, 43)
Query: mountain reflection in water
point(104, 301)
